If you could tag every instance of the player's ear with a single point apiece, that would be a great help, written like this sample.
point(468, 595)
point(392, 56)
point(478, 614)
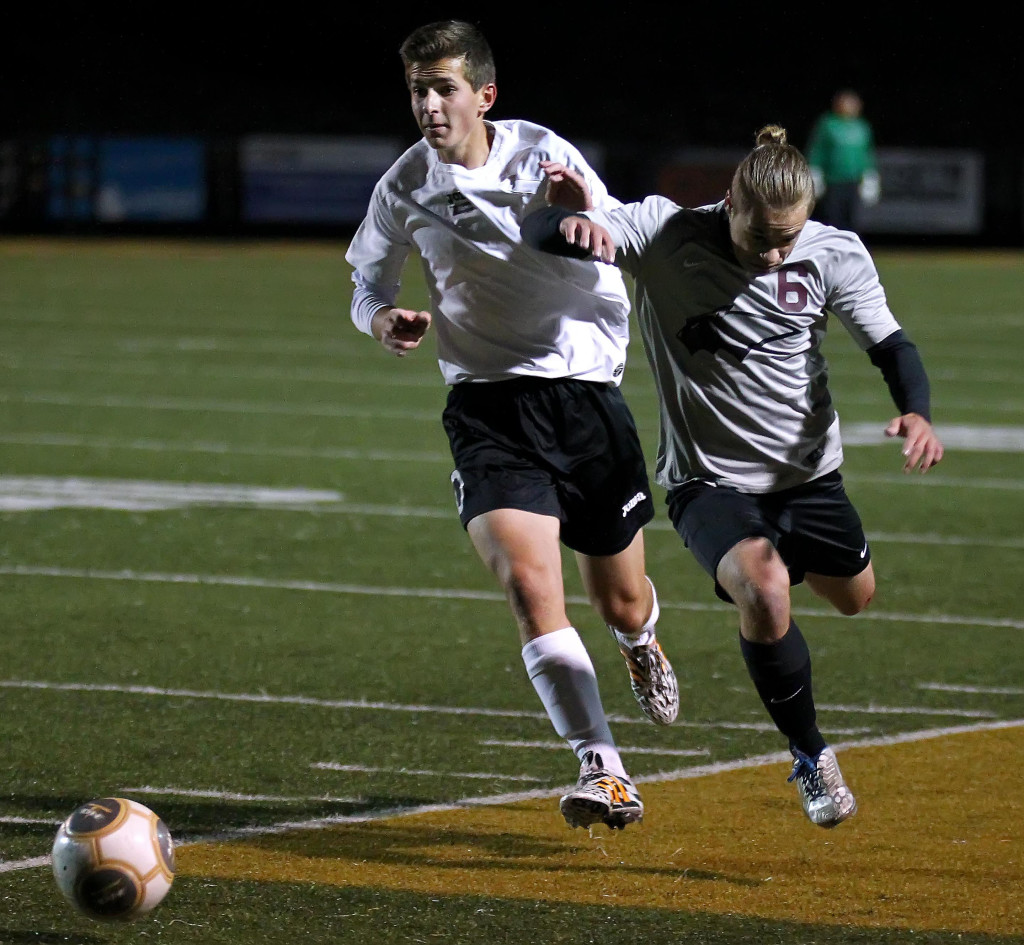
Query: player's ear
point(728, 201)
point(488, 93)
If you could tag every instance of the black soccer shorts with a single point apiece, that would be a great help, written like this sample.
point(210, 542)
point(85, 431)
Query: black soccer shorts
point(813, 526)
point(554, 446)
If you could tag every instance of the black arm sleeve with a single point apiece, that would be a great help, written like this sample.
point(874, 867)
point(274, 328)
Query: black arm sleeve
point(540, 230)
point(898, 359)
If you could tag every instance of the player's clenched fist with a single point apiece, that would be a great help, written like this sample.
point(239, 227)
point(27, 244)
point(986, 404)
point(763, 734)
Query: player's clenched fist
point(400, 330)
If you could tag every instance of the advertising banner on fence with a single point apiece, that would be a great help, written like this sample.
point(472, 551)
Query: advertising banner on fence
point(927, 191)
point(293, 179)
point(127, 179)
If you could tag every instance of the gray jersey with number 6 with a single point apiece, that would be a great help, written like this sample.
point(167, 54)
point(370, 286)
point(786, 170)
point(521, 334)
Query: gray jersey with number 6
point(737, 354)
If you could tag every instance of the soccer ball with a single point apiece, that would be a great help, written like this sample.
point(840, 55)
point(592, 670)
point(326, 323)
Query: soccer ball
point(113, 859)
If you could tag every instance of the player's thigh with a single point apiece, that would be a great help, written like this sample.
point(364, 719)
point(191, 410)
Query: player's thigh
point(825, 544)
point(849, 595)
point(712, 520)
point(522, 549)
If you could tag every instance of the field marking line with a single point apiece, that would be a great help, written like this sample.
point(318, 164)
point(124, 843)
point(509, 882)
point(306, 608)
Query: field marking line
point(681, 774)
point(623, 749)
point(234, 796)
point(59, 440)
point(21, 493)
point(30, 821)
point(73, 362)
point(320, 587)
point(980, 690)
point(197, 405)
point(246, 372)
point(422, 772)
point(1003, 439)
point(263, 698)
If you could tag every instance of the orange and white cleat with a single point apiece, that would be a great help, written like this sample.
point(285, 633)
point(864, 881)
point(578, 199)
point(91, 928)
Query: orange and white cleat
point(601, 797)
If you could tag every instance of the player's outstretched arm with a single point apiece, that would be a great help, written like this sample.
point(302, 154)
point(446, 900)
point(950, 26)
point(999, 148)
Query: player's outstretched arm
point(922, 449)
point(566, 188)
point(900, 363)
point(399, 330)
point(561, 233)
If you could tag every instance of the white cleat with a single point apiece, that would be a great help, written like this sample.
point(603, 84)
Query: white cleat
point(826, 799)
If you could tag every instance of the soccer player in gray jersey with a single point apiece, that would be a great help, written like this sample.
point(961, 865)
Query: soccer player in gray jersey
point(545, 448)
point(733, 302)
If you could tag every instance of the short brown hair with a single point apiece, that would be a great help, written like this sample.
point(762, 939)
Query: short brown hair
point(452, 39)
point(775, 174)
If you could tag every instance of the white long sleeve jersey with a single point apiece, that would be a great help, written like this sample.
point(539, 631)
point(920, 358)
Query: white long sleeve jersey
point(742, 380)
point(500, 309)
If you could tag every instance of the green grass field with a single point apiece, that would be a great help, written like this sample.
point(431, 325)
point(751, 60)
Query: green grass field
point(233, 586)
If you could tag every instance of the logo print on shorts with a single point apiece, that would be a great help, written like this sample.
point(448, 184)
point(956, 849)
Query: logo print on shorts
point(460, 490)
point(633, 503)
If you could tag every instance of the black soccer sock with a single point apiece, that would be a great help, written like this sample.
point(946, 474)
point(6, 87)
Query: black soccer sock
point(781, 672)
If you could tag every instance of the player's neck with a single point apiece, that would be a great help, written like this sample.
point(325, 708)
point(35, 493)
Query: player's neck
point(471, 153)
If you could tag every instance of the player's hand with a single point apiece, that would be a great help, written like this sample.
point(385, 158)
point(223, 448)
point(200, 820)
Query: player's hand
point(566, 188)
point(579, 231)
point(400, 330)
point(922, 449)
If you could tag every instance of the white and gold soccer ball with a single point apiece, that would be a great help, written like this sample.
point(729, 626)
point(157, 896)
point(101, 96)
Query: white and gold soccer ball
point(113, 859)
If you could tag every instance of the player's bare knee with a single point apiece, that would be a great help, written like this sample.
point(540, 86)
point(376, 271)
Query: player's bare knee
point(625, 612)
point(856, 603)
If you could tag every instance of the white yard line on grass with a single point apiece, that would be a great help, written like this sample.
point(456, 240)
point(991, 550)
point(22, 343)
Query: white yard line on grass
point(245, 372)
point(234, 796)
point(321, 587)
point(263, 698)
point(78, 441)
point(954, 436)
point(198, 405)
point(423, 772)
point(623, 749)
point(34, 493)
point(979, 690)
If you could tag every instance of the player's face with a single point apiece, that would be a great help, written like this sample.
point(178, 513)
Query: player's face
point(762, 237)
point(449, 111)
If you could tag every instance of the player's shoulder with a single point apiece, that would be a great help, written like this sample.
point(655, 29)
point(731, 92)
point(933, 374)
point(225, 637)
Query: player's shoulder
point(518, 136)
point(822, 238)
point(408, 172)
point(835, 253)
point(527, 132)
point(687, 222)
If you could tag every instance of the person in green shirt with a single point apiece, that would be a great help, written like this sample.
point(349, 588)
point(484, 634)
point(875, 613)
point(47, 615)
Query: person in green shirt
point(841, 153)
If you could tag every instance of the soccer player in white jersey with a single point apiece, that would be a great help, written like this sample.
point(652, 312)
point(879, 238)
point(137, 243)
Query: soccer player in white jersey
point(545, 448)
point(733, 301)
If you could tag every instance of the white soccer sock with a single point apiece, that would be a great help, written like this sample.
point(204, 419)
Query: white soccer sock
point(646, 633)
point(560, 669)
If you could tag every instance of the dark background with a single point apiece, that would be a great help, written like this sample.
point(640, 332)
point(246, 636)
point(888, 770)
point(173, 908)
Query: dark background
point(638, 79)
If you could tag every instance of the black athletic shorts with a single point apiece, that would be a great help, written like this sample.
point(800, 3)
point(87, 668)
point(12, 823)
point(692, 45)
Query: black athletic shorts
point(814, 526)
point(554, 446)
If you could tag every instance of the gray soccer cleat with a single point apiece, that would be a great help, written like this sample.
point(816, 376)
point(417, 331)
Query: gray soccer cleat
point(601, 797)
point(652, 680)
point(826, 798)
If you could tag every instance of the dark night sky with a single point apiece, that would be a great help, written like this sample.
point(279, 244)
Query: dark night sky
point(682, 79)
